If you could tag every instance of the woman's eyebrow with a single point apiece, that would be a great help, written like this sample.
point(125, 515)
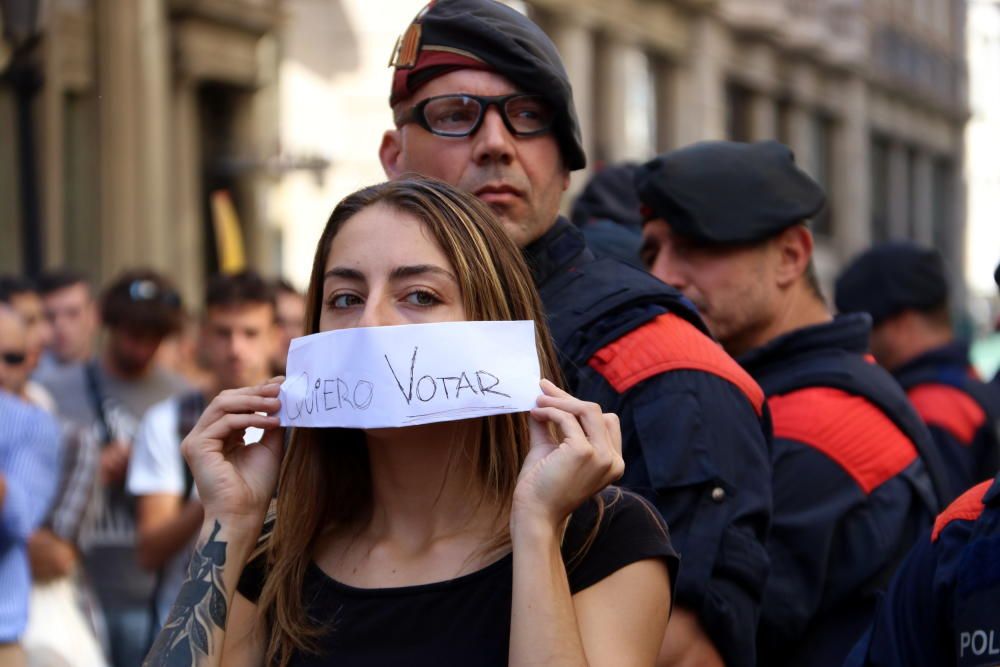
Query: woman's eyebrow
point(344, 272)
point(401, 272)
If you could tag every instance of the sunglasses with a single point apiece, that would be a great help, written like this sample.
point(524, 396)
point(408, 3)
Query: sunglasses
point(147, 290)
point(13, 358)
point(462, 115)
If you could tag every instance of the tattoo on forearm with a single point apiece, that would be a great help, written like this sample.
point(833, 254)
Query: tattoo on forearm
point(200, 603)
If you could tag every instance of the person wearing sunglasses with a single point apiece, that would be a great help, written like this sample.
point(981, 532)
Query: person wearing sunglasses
point(481, 100)
point(13, 353)
point(29, 465)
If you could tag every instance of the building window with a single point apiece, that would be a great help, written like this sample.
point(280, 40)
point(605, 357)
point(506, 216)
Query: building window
point(664, 85)
point(879, 189)
point(944, 230)
point(824, 130)
point(739, 119)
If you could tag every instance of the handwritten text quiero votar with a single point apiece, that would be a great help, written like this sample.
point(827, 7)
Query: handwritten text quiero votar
point(374, 377)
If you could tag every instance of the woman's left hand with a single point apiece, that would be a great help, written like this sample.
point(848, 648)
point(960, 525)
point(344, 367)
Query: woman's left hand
point(558, 475)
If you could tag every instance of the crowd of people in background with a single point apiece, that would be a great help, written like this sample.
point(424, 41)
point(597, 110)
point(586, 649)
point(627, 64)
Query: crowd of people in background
point(107, 384)
point(825, 463)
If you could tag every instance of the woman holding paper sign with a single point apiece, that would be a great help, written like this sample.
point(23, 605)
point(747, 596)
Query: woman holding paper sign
point(483, 541)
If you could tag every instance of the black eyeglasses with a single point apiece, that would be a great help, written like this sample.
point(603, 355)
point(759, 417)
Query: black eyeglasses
point(13, 358)
point(148, 290)
point(461, 115)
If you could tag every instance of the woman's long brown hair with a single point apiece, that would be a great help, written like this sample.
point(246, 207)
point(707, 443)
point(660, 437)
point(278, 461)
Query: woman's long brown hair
point(325, 480)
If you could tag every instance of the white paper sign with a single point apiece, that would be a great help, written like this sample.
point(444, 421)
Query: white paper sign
point(373, 377)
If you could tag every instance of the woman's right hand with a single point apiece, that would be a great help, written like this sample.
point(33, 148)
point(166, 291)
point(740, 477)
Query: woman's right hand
point(236, 481)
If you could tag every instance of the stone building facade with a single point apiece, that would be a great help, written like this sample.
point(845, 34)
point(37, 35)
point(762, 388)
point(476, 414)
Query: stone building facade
point(146, 106)
point(142, 107)
point(870, 94)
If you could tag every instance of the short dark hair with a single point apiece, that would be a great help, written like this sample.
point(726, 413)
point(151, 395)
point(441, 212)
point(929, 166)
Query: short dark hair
point(282, 286)
point(53, 281)
point(238, 289)
point(12, 285)
point(144, 301)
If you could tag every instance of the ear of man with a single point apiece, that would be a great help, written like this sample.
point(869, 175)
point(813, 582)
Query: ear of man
point(390, 154)
point(794, 248)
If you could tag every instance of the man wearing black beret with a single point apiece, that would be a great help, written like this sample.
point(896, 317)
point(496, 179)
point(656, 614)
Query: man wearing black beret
point(481, 100)
point(904, 287)
point(726, 225)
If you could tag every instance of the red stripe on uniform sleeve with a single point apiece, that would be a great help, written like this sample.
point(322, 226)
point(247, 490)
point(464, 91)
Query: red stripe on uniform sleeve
point(848, 429)
point(967, 507)
point(948, 408)
point(670, 343)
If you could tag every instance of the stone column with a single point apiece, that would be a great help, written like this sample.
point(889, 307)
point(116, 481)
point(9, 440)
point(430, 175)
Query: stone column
point(899, 191)
point(852, 171)
point(923, 198)
point(118, 120)
point(153, 146)
point(575, 42)
point(700, 84)
point(802, 136)
point(186, 225)
point(763, 117)
point(133, 60)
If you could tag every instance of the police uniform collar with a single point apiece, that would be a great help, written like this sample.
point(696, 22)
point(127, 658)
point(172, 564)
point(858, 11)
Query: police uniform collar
point(954, 355)
point(846, 332)
point(557, 247)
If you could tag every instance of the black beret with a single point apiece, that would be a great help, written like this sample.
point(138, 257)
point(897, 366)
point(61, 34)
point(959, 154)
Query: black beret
point(890, 278)
point(727, 191)
point(457, 34)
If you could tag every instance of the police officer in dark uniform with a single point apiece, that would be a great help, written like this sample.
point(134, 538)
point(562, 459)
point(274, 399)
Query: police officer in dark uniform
point(726, 226)
point(943, 607)
point(481, 100)
point(904, 288)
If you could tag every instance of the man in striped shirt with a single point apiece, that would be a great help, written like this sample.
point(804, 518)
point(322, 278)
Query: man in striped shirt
point(29, 473)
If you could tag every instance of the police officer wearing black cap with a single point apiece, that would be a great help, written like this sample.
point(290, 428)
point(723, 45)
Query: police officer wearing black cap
point(481, 100)
point(726, 225)
point(904, 287)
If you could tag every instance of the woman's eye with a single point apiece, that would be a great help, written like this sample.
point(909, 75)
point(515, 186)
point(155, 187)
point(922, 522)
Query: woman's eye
point(345, 300)
point(422, 298)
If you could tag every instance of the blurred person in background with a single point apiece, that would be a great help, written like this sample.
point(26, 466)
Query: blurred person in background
point(904, 287)
point(71, 311)
point(14, 369)
point(727, 227)
point(183, 354)
point(239, 334)
point(607, 212)
point(291, 319)
point(110, 393)
point(21, 295)
point(29, 464)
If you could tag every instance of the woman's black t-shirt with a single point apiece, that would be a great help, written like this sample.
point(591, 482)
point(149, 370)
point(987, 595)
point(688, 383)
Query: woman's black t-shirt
point(463, 621)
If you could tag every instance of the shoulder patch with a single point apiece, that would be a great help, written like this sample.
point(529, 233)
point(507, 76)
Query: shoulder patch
point(848, 429)
point(948, 408)
point(967, 507)
point(670, 343)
